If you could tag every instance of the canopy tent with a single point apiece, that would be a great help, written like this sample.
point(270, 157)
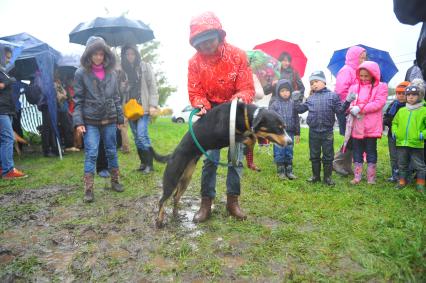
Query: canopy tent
point(37, 55)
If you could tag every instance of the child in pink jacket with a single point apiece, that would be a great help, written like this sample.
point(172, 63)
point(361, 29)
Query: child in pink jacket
point(367, 122)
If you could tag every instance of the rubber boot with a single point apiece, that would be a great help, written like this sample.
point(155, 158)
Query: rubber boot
point(234, 208)
point(115, 185)
point(357, 173)
point(371, 173)
point(148, 157)
point(88, 187)
point(281, 171)
point(289, 172)
point(316, 173)
point(142, 159)
point(402, 182)
point(205, 210)
point(328, 170)
point(394, 178)
point(420, 185)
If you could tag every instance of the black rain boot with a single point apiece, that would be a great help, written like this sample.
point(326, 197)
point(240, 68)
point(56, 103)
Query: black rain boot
point(289, 172)
point(142, 159)
point(316, 171)
point(328, 169)
point(281, 171)
point(148, 157)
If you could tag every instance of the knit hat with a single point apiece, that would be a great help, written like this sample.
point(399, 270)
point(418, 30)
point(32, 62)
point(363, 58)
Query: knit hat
point(417, 87)
point(207, 35)
point(401, 87)
point(318, 75)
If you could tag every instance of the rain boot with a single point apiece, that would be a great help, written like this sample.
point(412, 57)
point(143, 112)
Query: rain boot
point(394, 178)
point(115, 185)
point(328, 169)
point(142, 159)
point(316, 173)
point(234, 208)
point(205, 210)
point(148, 157)
point(88, 187)
point(371, 173)
point(281, 171)
point(289, 172)
point(420, 185)
point(357, 173)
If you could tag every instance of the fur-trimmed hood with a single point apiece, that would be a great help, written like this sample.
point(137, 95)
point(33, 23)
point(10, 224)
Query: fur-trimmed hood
point(93, 44)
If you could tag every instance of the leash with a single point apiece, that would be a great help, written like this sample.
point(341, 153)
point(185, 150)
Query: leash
point(191, 131)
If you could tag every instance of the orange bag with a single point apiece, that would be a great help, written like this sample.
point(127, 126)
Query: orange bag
point(132, 110)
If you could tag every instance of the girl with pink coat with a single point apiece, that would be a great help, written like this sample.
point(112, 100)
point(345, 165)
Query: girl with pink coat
point(367, 122)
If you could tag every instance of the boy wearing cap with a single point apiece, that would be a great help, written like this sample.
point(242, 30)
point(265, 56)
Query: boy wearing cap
point(409, 129)
point(322, 105)
point(390, 113)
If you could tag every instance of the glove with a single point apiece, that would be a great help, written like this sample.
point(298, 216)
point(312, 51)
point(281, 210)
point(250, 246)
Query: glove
point(355, 110)
point(296, 96)
point(351, 97)
point(421, 136)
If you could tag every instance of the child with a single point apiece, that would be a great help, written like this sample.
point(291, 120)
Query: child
point(387, 121)
point(367, 122)
point(322, 105)
point(285, 107)
point(409, 129)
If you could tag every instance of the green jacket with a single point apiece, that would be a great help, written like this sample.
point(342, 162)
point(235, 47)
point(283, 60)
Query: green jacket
point(409, 127)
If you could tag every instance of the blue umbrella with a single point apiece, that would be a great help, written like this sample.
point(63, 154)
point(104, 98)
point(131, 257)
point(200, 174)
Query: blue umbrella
point(67, 65)
point(387, 67)
point(116, 31)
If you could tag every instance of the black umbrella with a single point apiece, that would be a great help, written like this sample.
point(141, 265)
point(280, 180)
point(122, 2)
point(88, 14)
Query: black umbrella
point(116, 31)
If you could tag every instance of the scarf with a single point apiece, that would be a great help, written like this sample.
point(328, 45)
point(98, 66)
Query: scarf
point(414, 106)
point(395, 106)
point(98, 71)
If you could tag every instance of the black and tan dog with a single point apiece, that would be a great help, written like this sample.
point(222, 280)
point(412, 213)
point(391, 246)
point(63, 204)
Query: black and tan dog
point(212, 132)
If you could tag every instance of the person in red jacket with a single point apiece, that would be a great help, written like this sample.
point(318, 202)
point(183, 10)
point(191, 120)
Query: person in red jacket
point(217, 73)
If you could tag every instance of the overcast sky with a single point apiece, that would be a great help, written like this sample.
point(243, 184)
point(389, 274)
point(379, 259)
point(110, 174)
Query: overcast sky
point(319, 27)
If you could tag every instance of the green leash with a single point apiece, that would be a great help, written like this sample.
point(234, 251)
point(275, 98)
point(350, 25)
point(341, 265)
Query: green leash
point(191, 131)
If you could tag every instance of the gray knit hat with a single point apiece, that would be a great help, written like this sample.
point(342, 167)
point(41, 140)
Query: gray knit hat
point(318, 75)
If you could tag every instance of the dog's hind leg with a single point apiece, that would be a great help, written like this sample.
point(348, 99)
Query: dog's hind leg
point(183, 184)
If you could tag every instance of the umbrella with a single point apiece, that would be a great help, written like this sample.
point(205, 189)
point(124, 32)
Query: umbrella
point(67, 65)
point(16, 51)
point(265, 67)
point(386, 64)
point(116, 31)
point(278, 46)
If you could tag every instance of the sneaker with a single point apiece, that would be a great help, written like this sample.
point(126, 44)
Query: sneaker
point(14, 174)
point(71, 149)
point(104, 174)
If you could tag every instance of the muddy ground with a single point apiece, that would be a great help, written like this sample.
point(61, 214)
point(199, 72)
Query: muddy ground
point(46, 239)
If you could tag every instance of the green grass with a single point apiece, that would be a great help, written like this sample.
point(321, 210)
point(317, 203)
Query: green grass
point(295, 231)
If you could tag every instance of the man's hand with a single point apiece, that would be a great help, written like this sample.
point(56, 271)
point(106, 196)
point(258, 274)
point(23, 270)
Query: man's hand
point(119, 126)
point(202, 110)
point(81, 129)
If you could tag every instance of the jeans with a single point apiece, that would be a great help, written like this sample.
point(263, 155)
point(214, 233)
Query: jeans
point(321, 141)
point(208, 175)
point(411, 156)
point(284, 154)
point(6, 143)
point(108, 134)
point(367, 145)
point(140, 132)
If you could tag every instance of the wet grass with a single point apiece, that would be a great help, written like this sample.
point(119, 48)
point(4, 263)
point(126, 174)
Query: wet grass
point(295, 231)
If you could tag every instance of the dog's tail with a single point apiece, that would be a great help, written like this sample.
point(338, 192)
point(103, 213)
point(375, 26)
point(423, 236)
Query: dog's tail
point(158, 157)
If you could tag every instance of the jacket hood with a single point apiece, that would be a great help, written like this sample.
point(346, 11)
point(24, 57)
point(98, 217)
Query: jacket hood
point(124, 60)
point(373, 68)
point(283, 83)
point(205, 22)
point(93, 44)
point(352, 56)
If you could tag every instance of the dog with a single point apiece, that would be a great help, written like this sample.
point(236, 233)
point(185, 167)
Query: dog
point(212, 132)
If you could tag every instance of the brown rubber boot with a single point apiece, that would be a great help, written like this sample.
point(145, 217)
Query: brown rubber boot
point(115, 185)
point(205, 210)
point(234, 208)
point(88, 187)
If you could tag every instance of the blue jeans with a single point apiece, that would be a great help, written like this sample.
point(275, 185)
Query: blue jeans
point(208, 175)
point(284, 154)
point(93, 134)
point(367, 145)
point(6, 143)
point(140, 132)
